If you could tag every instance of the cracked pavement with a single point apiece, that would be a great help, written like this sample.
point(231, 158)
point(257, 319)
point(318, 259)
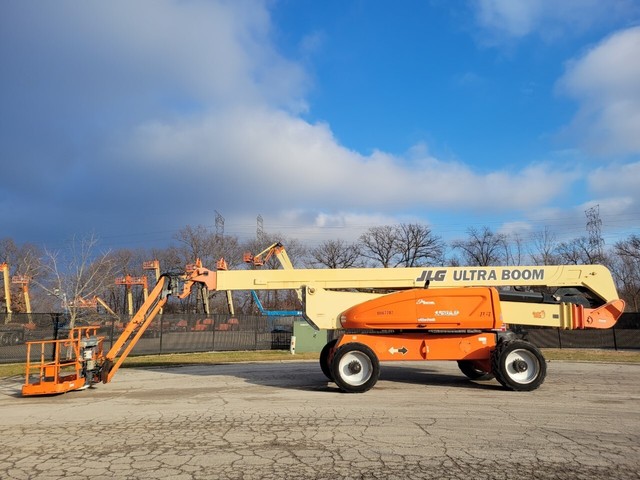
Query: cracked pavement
point(284, 420)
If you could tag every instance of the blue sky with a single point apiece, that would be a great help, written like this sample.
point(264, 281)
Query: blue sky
point(134, 119)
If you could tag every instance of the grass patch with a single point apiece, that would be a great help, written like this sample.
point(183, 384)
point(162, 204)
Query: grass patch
point(592, 355)
point(173, 359)
point(11, 369)
point(217, 358)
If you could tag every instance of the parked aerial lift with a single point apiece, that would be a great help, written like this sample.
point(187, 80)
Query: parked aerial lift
point(128, 281)
point(4, 268)
point(387, 314)
point(93, 302)
point(23, 281)
point(12, 333)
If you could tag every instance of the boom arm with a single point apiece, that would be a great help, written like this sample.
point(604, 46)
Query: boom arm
point(136, 327)
point(594, 280)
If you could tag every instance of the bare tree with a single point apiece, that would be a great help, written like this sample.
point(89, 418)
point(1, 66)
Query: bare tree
point(543, 249)
point(418, 245)
point(197, 243)
point(513, 249)
point(78, 272)
point(336, 254)
point(627, 270)
point(578, 251)
point(380, 246)
point(483, 247)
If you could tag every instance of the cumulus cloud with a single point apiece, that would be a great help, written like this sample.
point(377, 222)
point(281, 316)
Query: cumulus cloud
point(295, 162)
point(133, 115)
point(606, 83)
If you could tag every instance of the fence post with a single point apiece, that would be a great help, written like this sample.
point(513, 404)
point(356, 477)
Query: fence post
point(615, 342)
point(213, 333)
point(255, 331)
point(161, 333)
point(559, 339)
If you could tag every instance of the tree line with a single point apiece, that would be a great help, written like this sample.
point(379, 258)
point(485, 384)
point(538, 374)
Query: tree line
point(61, 279)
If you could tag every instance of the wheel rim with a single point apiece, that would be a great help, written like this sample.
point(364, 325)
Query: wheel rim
point(355, 368)
point(522, 366)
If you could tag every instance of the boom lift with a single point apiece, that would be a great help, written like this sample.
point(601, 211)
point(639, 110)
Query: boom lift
point(128, 281)
point(80, 302)
point(7, 288)
point(454, 313)
point(24, 281)
point(85, 364)
point(390, 314)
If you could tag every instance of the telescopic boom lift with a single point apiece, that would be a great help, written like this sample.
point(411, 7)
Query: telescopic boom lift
point(388, 314)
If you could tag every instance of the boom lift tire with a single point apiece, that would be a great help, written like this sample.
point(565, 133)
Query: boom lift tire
point(355, 368)
point(326, 357)
point(518, 365)
point(471, 370)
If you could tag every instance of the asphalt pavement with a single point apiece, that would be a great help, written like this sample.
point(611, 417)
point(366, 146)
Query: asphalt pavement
point(286, 421)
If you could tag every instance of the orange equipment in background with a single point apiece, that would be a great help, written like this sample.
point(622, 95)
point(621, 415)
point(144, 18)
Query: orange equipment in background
point(24, 281)
point(7, 288)
point(128, 281)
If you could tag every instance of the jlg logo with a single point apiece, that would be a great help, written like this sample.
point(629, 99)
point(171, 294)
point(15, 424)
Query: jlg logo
point(432, 276)
point(539, 314)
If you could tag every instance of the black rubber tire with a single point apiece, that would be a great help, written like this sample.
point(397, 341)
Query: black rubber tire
point(355, 368)
point(518, 365)
point(326, 357)
point(470, 369)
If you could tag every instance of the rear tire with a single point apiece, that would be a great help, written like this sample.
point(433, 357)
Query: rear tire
point(326, 357)
point(518, 365)
point(355, 368)
point(470, 369)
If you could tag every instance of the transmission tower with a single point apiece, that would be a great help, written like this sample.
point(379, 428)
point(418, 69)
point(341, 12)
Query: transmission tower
point(219, 224)
point(260, 228)
point(594, 229)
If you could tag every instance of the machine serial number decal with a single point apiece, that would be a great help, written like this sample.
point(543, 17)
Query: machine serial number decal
point(447, 313)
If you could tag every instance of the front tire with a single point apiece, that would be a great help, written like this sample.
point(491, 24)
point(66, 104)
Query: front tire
point(518, 365)
point(355, 368)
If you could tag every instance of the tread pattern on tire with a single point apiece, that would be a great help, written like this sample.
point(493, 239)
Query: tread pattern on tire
point(335, 368)
point(498, 367)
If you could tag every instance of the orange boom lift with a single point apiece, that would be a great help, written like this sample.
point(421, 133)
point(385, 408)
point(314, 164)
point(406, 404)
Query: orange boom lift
point(384, 314)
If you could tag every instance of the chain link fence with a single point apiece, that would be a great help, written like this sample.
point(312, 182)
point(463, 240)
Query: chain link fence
point(185, 333)
point(168, 333)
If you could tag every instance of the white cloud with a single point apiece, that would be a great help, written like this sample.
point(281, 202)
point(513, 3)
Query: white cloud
point(621, 179)
point(167, 110)
point(550, 19)
point(606, 83)
point(279, 161)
